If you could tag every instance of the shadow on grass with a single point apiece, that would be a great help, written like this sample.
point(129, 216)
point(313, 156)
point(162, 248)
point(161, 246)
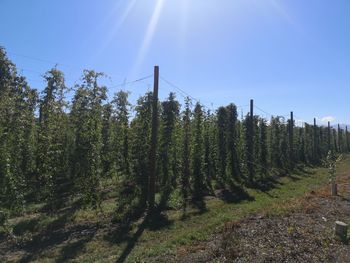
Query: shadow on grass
point(267, 184)
point(55, 233)
point(122, 232)
point(303, 170)
point(153, 222)
point(44, 241)
point(119, 234)
point(200, 205)
point(234, 194)
point(28, 225)
point(61, 206)
point(273, 182)
point(300, 172)
point(188, 214)
point(73, 248)
point(295, 178)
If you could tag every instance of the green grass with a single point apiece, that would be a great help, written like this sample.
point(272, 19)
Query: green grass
point(142, 242)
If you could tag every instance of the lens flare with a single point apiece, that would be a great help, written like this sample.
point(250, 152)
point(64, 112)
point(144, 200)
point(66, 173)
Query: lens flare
point(151, 28)
point(117, 25)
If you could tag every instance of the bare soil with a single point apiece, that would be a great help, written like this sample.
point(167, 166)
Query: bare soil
point(303, 233)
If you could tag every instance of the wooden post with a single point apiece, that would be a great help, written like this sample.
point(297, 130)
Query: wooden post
point(251, 143)
point(339, 138)
point(153, 151)
point(341, 230)
point(315, 141)
point(251, 110)
point(291, 138)
point(329, 136)
point(347, 139)
point(334, 190)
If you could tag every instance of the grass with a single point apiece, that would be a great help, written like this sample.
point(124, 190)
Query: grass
point(142, 241)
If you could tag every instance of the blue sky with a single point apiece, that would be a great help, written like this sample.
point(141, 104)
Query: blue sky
point(286, 55)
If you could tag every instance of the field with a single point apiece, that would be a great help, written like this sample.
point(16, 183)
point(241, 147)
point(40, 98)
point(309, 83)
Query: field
point(174, 131)
point(86, 235)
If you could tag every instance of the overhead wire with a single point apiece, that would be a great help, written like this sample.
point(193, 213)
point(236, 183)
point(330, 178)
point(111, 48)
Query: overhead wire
point(40, 74)
point(286, 116)
point(185, 94)
point(178, 88)
point(181, 91)
point(75, 80)
point(131, 82)
point(55, 63)
point(260, 109)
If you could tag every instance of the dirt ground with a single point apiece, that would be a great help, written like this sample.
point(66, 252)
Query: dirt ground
point(304, 233)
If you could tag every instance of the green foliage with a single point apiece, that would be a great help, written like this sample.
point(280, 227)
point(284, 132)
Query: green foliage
point(17, 126)
point(140, 146)
point(221, 143)
point(249, 147)
point(197, 154)
point(168, 148)
point(209, 165)
point(232, 169)
point(3, 218)
point(52, 161)
point(86, 117)
point(263, 149)
point(186, 149)
point(227, 145)
point(331, 163)
point(278, 143)
point(108, 137)
point(121, 107)
point(53, 149)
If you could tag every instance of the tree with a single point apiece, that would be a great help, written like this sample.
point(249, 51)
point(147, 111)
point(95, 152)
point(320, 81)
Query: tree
point(221, 144)
point(263, 148)
point(291, 157)
point(197, 155)
point(331, 163)
point(167, 151)
point(186, 149)
point(121, 107)
point(140, 147)
point(87, 121)
point(275, 137)
point(249, 147)
point(209, 150)
point(335, 141)
point(108, 137)
point(232, 166)
point(301, 145)
point(283, 148)
point(17, 149)
point(52, 162)
point(340, 139)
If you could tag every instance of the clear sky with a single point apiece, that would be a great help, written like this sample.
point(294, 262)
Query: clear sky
point(286, 55)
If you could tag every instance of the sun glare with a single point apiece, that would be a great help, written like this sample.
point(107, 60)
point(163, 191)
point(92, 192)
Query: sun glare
point(152, 25)
point(117, 25)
